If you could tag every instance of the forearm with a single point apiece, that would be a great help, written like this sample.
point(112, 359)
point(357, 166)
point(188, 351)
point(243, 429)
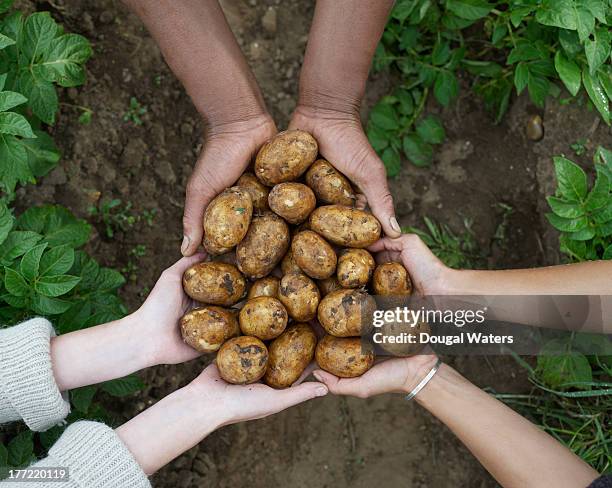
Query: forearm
point(342, 41)
point(169, 428)
point(512, 449)
point(102, 353)
point(198, 45)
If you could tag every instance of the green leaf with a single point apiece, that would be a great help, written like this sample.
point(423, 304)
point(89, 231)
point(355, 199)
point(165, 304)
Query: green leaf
point(570, 42)
point(57, 225)
point(441, 53)
point(5, 41)
point(63, 62)
point(565, 209)
point(6, 221)
point(38, 32)
point(55, 286)
point(14, 283)
point(81, 398)
point(571, 179)
point(123, 386)
point(3, 458)
point(377, 137)
point(49, 306)
point(384, 116)
point(556, 365)
point(391, 160)
point(5, 5)
point(600, 194)
point(538, 88)
point(430, 129)
point(585, 234)
point(567, 225)
point(523, 51)
point(42, 153)
point(569, 72)
point(521, 77)
point(21, 449)
point(14, 167)
point(607, 253)
point(10, 99)
point(446, 87)
point(75, 318)
point(108, 279)
point(15, 124)
point(597, 49)
point(419, 152)
point(57, 261)
point(557, 13)
point(403, 9)
point(42, 98)
point(605, 78)
point(30, 262)
point(469, 9)
point(596, 94)
point(16, 244)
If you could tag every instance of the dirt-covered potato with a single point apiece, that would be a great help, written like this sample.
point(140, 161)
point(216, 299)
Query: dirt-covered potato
point(242, 360)
point(345, 226)
point(292, 201)
point(288, 264)
point(285, 157)
point(391, 279)
point(328, 285)
point(207, 328)
point(300, 296)
point(346, 313)
point(258, 191)
point(227, 219)
point(355, 268)
point(215, 283)
point(264, 245)
point(392, 334)
point(329, 185)
point(313, 255)
point(289, 354)
point(346, 357)
point(263, 317)
point(264, 287)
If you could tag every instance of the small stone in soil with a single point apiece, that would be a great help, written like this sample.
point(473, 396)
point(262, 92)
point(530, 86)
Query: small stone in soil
point(268, 21)
point(535, 128)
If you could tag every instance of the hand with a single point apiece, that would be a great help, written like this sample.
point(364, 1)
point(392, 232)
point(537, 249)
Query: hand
point(161, 312)
point(342, 141)
point(227, 152)
point(237, 403)
point(429, 275)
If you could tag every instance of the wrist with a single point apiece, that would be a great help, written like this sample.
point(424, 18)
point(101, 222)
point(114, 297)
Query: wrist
point(419, 366)
point(142, 346)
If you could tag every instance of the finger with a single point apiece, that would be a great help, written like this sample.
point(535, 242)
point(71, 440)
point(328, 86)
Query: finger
point(299, 394)
point(361, 201)
point(341, 386)
point(306, 373)
point(182, 264)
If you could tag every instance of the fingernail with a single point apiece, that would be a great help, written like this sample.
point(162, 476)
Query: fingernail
point(185, 244)
point(321, 391)
point(317, 376)
point(395, 225)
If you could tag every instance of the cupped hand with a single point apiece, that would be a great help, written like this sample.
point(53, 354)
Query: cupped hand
point(237, 403)
point(162, 310)
point(343, 142)
point(227, 152)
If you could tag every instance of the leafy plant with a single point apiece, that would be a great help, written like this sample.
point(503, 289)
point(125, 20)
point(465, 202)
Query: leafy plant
point(114, 215)
point(533, 45)
point(35, 56)
point(135, 110)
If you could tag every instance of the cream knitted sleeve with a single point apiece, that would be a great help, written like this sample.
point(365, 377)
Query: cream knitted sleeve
point(27, 387)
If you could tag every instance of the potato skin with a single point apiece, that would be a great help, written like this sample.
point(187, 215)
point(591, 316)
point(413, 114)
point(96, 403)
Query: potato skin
point(207, 328)
point(346, 313)
point(264, 287)
point(355, 268)
point(313, 255)
point(258, 191)
point(396, 329)
point(328, 285)
point(242, 360)
point(285, 157)
point(345, 357)
point(227, 219)
point(264, 245)
point(288, 264)
point(391, 279)
point(215, 283)
point(292, 201)
point(263, 317)
point(289, 354)
point(300, 296)
point(345, 226)
point(329, 185)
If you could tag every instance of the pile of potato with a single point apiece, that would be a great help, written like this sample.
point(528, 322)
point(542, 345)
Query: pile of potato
point(270, 218)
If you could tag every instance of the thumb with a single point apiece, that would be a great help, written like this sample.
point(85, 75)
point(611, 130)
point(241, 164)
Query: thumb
point(340, 386)
point(300, 393)
point(376, 190)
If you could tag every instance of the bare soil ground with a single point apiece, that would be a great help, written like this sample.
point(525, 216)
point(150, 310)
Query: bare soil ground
point(334, 441)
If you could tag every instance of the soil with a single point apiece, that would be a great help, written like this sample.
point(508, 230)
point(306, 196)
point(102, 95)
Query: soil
point(334, 441)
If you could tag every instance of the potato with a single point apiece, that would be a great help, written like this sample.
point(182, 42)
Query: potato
point(328, 285)
point(292, 201)
point(313, 255)
point(285, 157)
point(264, 245)
point(288, 264)
point(329, 185)
point(264, 287)
point(389, 330)
point(346, 313)
point(355, 268)
point(263, 317)
point(391, 279)
point(346, 357)
point(289, 355)
point(258, 191)
point(207, 328)
point(227, 219)
point(242, 360)
point(215, 283)
point(345, 226)
point(300, 296)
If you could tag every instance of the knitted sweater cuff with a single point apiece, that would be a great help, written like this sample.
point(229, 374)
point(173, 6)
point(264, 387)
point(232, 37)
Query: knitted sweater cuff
point(96, 458)
point(28, 389)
